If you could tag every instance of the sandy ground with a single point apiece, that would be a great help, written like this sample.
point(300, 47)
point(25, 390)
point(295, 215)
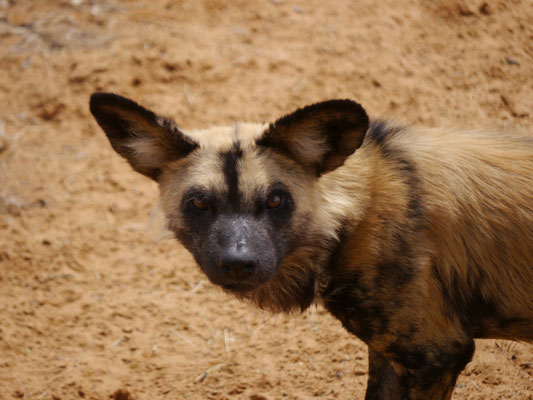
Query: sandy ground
point(91, 306)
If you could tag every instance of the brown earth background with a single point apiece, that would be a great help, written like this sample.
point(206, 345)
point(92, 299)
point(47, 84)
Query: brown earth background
point(91, 306)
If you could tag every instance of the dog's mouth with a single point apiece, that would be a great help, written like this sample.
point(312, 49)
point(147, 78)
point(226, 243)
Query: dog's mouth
point(239, 287)
point(238, 282)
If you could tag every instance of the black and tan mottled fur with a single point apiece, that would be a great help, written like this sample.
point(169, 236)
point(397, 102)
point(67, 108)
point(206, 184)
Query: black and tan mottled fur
point(417, 240)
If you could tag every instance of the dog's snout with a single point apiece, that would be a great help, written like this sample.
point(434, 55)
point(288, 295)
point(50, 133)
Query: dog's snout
point(238, 263)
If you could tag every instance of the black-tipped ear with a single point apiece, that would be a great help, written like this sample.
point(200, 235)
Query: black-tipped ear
point(145, 139)
point(320, 136)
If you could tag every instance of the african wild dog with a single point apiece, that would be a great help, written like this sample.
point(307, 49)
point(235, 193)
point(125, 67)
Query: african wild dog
point(418, 242)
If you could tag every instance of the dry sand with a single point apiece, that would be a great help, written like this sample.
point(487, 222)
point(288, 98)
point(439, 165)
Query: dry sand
point(91, 307)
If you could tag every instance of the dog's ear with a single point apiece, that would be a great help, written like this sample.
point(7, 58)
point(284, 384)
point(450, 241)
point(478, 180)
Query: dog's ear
point(145, 139)
point(320, 136)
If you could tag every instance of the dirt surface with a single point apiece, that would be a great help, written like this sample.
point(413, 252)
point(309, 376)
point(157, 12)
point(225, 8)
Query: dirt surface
point(91, 306)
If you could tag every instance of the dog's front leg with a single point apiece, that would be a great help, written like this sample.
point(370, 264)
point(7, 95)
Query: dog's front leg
point(383, 382)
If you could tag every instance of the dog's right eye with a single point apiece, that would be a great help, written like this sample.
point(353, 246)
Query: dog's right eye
point(200, 203)
point(274, 201)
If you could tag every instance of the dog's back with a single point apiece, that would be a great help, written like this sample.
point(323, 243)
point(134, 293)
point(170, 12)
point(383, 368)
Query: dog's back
point(478, 188)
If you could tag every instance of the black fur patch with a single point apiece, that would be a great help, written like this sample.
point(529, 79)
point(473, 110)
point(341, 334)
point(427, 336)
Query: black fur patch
point(379, 131)
point(466, 301)
point(197, 222)
point(344, 297)
point(429, 364)
point(281, 216)
point(355, 306)
point(230, 160)
point(415, 210)
point(307, 292)
point(396, 274)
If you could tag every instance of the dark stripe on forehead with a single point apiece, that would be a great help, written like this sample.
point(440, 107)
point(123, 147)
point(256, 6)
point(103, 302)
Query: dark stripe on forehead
point(231, 175)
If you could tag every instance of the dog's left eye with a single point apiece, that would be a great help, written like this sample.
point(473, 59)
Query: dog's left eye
point(200, 203)
point(274, 201)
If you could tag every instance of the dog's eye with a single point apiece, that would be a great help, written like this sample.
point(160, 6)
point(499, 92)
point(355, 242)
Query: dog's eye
point(274, 201)
point(200, 203)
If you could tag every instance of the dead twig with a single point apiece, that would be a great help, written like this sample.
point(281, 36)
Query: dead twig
point(203, 375)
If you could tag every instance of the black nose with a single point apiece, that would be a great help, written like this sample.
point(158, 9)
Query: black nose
point(238, 264)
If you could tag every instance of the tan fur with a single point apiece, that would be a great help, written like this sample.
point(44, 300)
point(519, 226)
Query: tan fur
point(221, 138)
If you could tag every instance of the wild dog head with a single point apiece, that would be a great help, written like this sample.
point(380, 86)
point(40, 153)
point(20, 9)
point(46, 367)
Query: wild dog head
point(242, 199)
